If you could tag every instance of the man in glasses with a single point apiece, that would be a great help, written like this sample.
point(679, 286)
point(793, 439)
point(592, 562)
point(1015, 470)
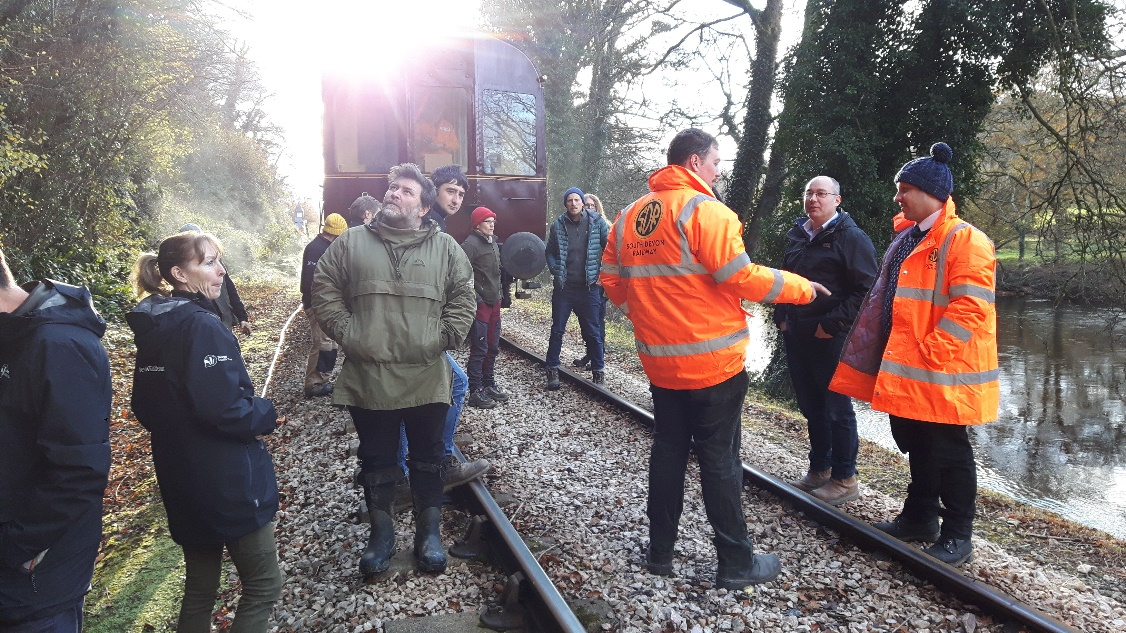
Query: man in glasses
point(828, 247)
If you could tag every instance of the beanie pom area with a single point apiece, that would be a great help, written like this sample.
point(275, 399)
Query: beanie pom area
point(941, 152)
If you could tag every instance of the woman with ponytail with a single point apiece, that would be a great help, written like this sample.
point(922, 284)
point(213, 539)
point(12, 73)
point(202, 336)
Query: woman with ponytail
point(192, 392)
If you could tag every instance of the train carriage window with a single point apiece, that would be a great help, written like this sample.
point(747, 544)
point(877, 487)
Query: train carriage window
point(439, 127)
point(508, 132)
point(366, 138)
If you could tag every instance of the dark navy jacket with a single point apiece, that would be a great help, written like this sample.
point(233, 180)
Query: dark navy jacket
point(842, 258)
point(313, 252)
point(54, 451)
point(192, 392)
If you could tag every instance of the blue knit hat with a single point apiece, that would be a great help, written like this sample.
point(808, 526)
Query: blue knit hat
point(582, 196)
point(930, 174)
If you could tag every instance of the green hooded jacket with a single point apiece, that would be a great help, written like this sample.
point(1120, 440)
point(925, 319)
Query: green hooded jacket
point(395, 300)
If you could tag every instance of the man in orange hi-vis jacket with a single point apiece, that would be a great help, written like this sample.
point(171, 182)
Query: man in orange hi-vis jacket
point(924, 350)
point(675, 264)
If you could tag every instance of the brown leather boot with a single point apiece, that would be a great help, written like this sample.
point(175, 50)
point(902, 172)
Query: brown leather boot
point(813, 479)
point(838, 491)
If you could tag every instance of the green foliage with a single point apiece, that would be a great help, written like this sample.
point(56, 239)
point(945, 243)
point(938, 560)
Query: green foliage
point(109, 109)
point(875, 83)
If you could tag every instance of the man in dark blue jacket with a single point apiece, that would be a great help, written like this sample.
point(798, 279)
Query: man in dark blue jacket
point(827, 247)
point(322, 350)
point(54, 418)
point(574, 256)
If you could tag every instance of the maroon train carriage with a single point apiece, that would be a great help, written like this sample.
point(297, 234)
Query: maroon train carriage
point(472, 100)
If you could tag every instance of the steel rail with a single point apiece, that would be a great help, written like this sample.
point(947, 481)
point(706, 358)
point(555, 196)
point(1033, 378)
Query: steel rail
point(930, 569)
point(549, 610)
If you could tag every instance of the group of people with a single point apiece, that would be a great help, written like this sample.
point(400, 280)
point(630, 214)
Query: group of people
point(915, 336)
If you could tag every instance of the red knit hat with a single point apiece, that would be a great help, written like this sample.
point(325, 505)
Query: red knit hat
point(480, 214)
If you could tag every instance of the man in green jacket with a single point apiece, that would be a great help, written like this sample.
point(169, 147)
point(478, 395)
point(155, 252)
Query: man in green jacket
point(396, 295)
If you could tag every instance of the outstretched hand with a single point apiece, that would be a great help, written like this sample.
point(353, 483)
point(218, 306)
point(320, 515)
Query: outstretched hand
point(818, 289)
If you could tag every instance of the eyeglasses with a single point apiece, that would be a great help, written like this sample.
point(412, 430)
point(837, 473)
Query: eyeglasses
point(820, 195)
point(589, 206)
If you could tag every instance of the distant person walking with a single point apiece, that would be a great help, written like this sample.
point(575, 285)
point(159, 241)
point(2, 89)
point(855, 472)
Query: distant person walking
point(924, 351)
point(55, 453)
point(828, 247)
point(574, 250)
point(322, 349)
point(192, 393)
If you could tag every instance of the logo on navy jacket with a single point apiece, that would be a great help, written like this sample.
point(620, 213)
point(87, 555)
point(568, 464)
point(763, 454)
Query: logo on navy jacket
point(4, 371)
point(211, 360)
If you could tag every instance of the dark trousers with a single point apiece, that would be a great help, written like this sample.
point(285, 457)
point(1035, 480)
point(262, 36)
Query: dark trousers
point(256, 559)
point(708, 421)
point(833, 442)
point(67, 621)
point(484, 344)
point(586, 303)
point(379, 448)
point(942, 468)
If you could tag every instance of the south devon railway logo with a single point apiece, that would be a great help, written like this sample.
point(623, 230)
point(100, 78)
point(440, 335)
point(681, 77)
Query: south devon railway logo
point(648, 218)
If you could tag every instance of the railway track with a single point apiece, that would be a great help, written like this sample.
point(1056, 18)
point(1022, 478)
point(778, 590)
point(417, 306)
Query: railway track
point(583, 547)
point(925, 567)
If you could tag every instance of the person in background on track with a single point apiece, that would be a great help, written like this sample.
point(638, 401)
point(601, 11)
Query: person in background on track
point(594, 204)
point(394, 341)
point(675, 264)
point(322, 349)
point(574, 249)
point(484, 255)
point(924, 351)
point(229, 304)
point(450, 185)
point(192, 393)
point(54, 418)
point(362, 210)
point(827, 247)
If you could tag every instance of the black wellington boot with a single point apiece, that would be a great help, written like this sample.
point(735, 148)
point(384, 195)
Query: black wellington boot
point(428, 540)
point(381, 542)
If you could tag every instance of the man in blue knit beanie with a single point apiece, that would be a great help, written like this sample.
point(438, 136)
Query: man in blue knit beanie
point(924, 351)
point(574, 255)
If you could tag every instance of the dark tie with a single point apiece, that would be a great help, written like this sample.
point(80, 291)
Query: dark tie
point(905, 247)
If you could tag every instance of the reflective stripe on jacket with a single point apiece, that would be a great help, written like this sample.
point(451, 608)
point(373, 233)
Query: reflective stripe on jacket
point(939, 363)
point(676, 265)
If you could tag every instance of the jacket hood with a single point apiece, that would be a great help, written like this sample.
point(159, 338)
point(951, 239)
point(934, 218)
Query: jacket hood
point(843, 221)
point(677, 177)
point(158, 316)
point(57, 303)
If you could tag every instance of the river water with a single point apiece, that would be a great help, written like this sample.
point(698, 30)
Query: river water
point(1059, 442)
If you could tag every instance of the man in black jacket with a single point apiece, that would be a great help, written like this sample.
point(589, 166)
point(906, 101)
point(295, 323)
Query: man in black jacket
point(323, 350)
point(54, 418)
point(829, 248)
point(484, 336)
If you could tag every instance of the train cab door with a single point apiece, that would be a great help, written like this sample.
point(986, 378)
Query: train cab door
point(509, 170)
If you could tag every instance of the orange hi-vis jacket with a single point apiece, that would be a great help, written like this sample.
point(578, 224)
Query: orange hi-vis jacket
point(675, 263)
point(939, 363)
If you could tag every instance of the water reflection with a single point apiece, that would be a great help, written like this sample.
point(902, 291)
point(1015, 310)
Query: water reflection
point(1059, 441)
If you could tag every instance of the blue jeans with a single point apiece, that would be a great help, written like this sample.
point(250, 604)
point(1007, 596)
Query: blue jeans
point(458, 390)
point(708, 421)
point(69, 621)
point(586, 303)
point(829, 416)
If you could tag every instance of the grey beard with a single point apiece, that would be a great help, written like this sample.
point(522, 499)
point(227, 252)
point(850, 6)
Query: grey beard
point(405, 221)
